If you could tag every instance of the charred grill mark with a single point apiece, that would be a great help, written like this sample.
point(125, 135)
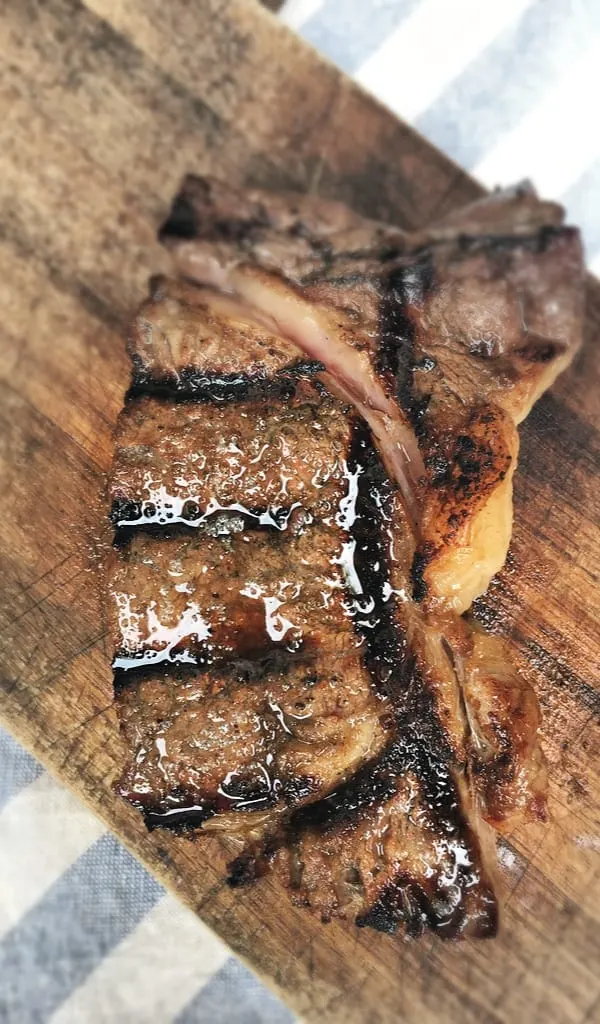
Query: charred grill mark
point(404, 900)
point(406, 285)
point(396, 349)
point(190, 385)
point(123, 536)
point(130, 517)
point(419, 745)
point(169, 531)
point(297, 789)
point(237, 670)
point(418, 568)
point(539, 241)
point(187, 818)
point(123, 679)
point(382, 641)
point(181, 820)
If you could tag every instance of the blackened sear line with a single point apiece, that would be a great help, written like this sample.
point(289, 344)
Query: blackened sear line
point(190, 385)
point(418, 746)
point(130, 518)
point(419, 742)
point(181, 822)
point(123, 679)
point(382, 639)
point(406, 284)
point(403, 899)
point(124, 509)
point(188, 819)
point(166, 532)
point(537, 241)
point(417, 575)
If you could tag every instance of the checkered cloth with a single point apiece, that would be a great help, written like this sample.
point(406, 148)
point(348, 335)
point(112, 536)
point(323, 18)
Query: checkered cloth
point(86, 935)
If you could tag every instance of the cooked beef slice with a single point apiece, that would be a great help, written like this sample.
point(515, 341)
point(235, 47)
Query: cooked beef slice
point(495, 319)
point(218, 593)
point(462, 292)
point(465, 317)
point(508, 769)
point(177, 463)
point(401, 854)
point(329, 311)
point(264, 737)
point(400, 841)
point(294, 234)
point(305, 679)
point(487, 711)
point(512, 211)
point(192, 342)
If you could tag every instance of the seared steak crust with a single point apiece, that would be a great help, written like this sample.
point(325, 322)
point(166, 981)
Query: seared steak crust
point(262, 458)
point(246, 741)
point(474, 317)
point(196, 343)
point(312, 481)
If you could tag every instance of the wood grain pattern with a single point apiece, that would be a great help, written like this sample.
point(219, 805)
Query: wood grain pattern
point(105, 105)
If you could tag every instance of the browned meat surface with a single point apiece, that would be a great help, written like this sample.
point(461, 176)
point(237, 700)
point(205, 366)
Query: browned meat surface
point(293, 704)
point(292, 664)
point(484, 310)
point(507, 212)
point(494, 322)
point(499, 318)
point(219, 593)
point(196, 342)
point(176, 464)
point(253, 740)
point(262, 248)
point(488, 712)
point(506, 761)
point(401, 840)
point(293, 233)
point(407, 856)
point(467, 509)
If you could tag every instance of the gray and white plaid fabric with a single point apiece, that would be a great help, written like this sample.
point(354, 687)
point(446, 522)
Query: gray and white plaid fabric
point(86, 935)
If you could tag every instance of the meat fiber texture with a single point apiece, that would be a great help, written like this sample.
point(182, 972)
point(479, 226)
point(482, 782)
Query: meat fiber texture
point(312, 482)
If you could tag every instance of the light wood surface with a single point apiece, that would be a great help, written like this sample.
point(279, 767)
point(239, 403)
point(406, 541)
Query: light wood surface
point(104, 106)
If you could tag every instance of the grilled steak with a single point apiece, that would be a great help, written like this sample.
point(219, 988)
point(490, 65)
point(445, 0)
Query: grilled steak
point(263, 459)
point(312, 481)
point(218, 594)
point(244, 741)
point(433, 337)
point(199, 343)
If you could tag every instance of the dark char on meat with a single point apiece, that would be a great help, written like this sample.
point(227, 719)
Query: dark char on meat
point(312, 480)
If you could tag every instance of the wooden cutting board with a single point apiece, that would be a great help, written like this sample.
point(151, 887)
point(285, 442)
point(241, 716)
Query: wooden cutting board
point(105, 105)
